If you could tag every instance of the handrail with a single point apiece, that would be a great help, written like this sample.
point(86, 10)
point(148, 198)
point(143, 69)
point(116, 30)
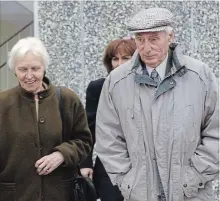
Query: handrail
point(16, 33)
point(3, 64)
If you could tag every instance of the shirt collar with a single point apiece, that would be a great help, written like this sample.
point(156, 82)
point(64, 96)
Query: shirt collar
point(161, 69)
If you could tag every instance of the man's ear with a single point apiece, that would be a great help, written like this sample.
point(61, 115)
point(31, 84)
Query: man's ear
point(171, 37)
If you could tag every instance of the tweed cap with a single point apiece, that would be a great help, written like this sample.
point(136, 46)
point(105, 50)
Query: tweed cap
point(150, 20)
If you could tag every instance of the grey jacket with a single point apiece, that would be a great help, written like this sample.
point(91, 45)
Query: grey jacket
point(175, 124)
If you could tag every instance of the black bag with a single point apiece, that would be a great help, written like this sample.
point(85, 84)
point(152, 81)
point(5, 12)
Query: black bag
point(83, 188)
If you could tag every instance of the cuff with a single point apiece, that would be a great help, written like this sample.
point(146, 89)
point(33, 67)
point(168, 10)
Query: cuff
point(124, 182)
point(87, 163)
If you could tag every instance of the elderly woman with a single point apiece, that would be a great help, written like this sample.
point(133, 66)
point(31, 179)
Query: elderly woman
point(116, 53)
point(35, 162)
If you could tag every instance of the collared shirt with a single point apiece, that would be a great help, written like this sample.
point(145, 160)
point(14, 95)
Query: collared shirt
point(161, 69)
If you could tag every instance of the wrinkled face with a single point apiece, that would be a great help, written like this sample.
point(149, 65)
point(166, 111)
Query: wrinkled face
point(30, 72)
point(119, 59)
point(153, 47)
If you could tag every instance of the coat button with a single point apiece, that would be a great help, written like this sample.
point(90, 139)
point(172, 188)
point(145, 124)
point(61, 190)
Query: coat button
point(185, 185)
point(41, 120)
point(200, 184)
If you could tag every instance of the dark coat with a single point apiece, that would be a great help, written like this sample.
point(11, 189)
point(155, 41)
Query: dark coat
point(92, 99)
point(24, 140)
point(104, 187)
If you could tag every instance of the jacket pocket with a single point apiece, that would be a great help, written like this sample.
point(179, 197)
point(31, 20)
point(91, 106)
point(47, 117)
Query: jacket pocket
point(126, 184)
point(7, 192)
point(191, 182)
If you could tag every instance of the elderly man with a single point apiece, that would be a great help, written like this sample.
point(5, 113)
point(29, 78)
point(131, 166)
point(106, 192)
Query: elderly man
point(157, 121)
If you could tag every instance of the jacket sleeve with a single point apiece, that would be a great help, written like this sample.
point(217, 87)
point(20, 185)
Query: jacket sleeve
point(76, 149)
point(111, 146)
point(205, 161)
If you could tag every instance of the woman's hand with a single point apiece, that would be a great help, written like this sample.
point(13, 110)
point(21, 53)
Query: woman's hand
point(49, 163)
point(86, 172)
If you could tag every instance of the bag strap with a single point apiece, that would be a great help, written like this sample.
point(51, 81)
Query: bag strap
point(59, 96)
point(83, 187)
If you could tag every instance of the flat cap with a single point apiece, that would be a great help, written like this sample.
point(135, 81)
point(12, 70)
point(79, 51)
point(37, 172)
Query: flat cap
point(150, 20)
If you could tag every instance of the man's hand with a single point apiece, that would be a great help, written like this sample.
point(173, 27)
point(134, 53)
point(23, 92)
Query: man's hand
point(49, 163)
point(87, 172)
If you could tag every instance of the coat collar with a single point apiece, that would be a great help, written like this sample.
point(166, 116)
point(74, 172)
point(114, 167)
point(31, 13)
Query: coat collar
point(42, 94)
point(175, 65)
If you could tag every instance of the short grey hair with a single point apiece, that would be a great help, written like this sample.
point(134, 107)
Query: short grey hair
point(25, 45)
point(168, 30)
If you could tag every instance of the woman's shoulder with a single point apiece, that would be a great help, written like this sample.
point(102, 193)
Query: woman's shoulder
point(96, 84)
point(68, 93)
point(8, 94)
point(9, 98)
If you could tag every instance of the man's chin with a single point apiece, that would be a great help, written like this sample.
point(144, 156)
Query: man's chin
point(151, 64)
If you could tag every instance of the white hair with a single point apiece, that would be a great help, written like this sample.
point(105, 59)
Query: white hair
point(168, 30)
point(25, 45)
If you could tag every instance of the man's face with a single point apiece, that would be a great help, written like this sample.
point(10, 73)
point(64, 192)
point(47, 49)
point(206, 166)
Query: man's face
point(153, 47)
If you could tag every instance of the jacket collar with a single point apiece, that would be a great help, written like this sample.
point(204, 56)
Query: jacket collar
point(177, 57)
point(42, 94)
point(175, 65)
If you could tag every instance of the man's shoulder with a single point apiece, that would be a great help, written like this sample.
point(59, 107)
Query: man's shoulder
point(121, 72)
point(191, 60)
point(199, 67)
point(125, 70)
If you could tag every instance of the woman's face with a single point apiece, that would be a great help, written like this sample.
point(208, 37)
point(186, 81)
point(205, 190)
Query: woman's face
point(30, 72)
point(119, 59)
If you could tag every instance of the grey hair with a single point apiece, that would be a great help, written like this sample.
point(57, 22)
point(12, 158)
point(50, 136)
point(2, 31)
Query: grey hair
point(168, 30)
point(25, 45)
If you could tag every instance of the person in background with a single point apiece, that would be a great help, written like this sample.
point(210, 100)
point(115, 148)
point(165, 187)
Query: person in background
point(35, 162)
point(157, 125)
point(116, 53)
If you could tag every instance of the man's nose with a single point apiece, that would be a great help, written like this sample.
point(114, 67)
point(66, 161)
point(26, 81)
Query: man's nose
point(147, 46)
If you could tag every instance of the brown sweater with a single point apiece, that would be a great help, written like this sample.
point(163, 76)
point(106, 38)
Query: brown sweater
point(24, 140)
